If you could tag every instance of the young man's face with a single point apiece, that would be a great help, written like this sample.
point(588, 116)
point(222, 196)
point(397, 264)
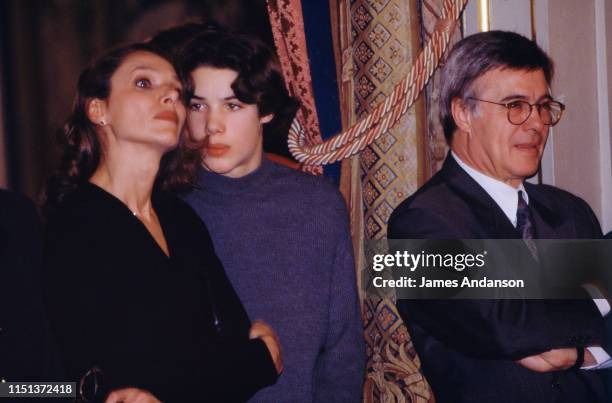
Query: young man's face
point(232, 129)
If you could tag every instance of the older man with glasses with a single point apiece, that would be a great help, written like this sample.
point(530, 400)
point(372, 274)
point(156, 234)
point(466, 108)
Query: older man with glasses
point(496, 110)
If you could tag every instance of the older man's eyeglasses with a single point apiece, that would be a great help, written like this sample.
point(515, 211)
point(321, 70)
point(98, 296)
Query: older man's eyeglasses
point(519, 111)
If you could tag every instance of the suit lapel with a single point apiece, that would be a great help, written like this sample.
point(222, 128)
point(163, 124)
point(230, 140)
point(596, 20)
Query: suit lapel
point(487, 214)
point(548, 223)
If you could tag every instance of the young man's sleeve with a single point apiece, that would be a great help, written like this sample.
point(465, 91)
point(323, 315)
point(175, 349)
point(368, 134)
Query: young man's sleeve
point(341, 367)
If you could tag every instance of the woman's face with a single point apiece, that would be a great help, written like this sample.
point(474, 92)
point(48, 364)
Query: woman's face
point(144, 105)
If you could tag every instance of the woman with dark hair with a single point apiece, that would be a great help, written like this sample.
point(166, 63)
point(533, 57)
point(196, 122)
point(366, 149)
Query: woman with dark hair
point(139, 302)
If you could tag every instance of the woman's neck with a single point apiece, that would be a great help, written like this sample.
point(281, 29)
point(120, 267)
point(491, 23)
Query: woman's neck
point(129, 175)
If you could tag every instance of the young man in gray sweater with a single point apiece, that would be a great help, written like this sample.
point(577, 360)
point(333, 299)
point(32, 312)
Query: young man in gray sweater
point(282, 235)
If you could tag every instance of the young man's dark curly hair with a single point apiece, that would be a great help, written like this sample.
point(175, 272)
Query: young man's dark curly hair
point(259, 79)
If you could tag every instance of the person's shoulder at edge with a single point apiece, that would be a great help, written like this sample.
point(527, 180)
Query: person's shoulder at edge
point(172, 201)
point(433, 193)
point(12, 198)
point(556, 197)
point(78, 207)
point(12, 204)
point(321, 190)
point(297, 177)
point(425, 213)
point(19, 221)
point(182, 213)
point(568, 205)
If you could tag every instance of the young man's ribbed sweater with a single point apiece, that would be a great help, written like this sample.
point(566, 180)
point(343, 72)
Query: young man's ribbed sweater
point(283, 238)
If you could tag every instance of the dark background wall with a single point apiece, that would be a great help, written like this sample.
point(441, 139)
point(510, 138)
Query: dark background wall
point(46, 43)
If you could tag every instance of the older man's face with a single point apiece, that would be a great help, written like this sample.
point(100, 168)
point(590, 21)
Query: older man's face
point(495, 146)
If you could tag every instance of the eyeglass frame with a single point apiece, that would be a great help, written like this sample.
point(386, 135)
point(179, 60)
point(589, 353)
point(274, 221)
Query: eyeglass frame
point(538, 106)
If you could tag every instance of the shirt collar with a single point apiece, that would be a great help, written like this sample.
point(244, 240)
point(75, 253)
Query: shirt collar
point(504, 195)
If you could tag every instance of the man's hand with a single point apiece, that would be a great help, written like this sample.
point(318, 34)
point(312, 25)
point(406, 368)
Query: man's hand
point(131, 395)
point(555, 360)
point(261, 330)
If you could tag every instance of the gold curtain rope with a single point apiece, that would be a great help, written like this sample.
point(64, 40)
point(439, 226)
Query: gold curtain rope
point(386, 114)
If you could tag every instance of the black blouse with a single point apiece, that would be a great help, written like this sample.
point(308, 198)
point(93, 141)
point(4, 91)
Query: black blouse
point(171, 325)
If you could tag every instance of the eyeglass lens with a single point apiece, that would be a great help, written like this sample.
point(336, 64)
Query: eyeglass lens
point(519, 112)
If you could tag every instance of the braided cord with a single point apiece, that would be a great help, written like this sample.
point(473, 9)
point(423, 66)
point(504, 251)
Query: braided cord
point(386, 114)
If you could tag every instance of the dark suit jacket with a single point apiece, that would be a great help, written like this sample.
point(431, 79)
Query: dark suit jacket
point(468, 348)
point(25, 350)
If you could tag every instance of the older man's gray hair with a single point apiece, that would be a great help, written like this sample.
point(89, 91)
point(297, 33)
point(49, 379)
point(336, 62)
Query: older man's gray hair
point(477, 54)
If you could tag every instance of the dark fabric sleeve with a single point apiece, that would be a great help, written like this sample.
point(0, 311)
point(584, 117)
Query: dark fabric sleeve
point(587, 226)
point(236, 373)
point(25, 345)
point(506, 329)
point(238, 367)
point(227, 373)
point(70, 298)
point(496, 329)
point(235, 367)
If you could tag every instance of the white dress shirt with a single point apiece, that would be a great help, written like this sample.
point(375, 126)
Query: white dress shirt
point(506, 198)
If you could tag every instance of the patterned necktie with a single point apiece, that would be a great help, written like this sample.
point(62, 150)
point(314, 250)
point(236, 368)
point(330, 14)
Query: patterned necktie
point(524, 225)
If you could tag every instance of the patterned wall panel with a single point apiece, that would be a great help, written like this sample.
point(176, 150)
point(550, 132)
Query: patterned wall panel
point(384, 38)
point(382, 34)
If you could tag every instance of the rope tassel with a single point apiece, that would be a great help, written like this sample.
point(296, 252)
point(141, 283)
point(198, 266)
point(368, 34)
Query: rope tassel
point(386, 114)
